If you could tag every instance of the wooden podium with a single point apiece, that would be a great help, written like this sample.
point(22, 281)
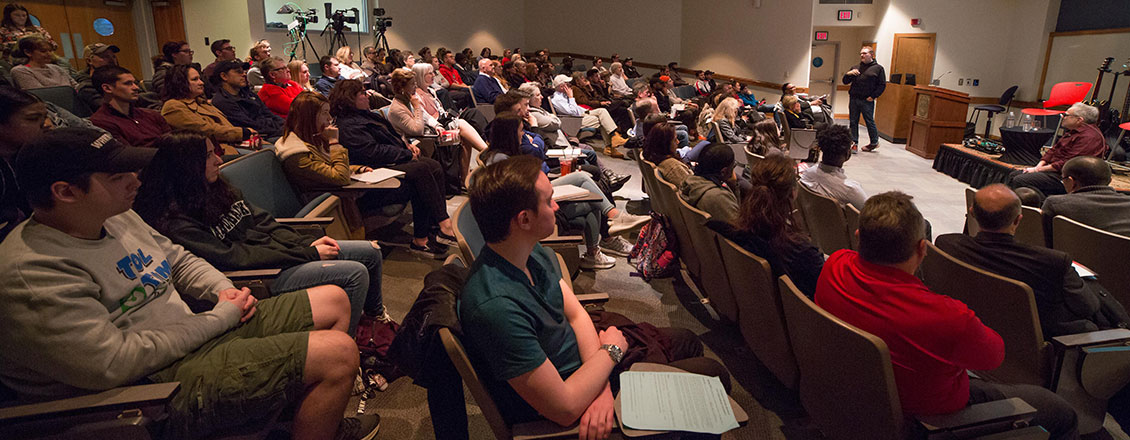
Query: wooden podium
point(893, 111)
point(939, 117)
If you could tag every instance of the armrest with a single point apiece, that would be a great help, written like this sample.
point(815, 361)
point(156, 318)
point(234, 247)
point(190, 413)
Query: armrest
point(122, 397)
point(979, 414)
point(322, 221)
point(257, 274)
point(561, 239)
point(592, 297)
point(1090, 338)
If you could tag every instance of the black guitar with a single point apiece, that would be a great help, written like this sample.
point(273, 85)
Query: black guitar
point(1103, 70)
point(1108, 119)
point(1126, 101)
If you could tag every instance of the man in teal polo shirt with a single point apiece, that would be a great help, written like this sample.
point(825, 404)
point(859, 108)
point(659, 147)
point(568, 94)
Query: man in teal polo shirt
point(537, 348)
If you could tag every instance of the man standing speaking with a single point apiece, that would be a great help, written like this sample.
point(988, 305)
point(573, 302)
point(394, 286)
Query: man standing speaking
point(867, 80)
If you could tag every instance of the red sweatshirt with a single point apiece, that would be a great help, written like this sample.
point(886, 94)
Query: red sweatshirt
point(932, 338)
point(278, 98)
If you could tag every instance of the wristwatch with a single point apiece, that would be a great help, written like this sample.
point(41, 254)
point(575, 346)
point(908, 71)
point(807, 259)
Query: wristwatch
point(614, 352)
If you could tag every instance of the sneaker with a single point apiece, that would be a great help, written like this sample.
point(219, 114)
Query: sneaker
point(432, 250)
point(616, 245)
point(359, 427)
point(871, 148)
point(446, 239)
point(358, 384)
point(613, 180)
point(597, 261)
point(625, 221)
point(854, 148)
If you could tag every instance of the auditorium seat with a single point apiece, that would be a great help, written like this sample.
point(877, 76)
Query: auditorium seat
point(851, 215)
point(687, 252)
point(825, 220)
point(752, 158)
point(1085, 369)
point(64, 97)
point(971, 226)
point(1103, 252)
point(712, 275)
point(847, 384)
point(1031, 228)
point(471, 240)
point(761, 319)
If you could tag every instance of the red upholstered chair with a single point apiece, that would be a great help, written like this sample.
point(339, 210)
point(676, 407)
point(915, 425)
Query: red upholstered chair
point(1064, 93)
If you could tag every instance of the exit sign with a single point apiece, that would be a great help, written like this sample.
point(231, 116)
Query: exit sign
point(821, 35)
point(844, 15)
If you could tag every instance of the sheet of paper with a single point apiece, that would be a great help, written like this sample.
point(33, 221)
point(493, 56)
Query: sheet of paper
point(566, 192)
point(377, 175)
point(1083, 271)
point(563, 152)
point(657, 401)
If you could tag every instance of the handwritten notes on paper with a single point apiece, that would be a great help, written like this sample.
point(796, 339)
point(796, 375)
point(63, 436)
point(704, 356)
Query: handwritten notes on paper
point(661, 401)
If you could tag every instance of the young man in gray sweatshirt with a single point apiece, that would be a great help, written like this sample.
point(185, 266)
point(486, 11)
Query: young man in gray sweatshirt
point(90, 297)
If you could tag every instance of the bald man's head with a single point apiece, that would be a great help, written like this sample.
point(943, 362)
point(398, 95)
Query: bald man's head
point(996, 207)
point(1087, 171)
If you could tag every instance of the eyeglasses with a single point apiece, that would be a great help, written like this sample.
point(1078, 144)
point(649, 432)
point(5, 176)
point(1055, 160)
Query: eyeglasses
point(188, 51)
point(231, 48)
point(278, 69)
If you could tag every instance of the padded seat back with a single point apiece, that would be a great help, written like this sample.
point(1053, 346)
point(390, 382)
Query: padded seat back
point(1103, 252)
point(846, 380)
point(64, 97)
point(261, 179)
point(487, 110)
point(1031, 228)
point(671, 200)
point(467, 232)
point(761, 318)
point(971, 226)
point(483, 399)
point(647, 171)
point(801, 142)
point(1004, 305)
point(712, 274)
point(825, 219)
point(851, 216)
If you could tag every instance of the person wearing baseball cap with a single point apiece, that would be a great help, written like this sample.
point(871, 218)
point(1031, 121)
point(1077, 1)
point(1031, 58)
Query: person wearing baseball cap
point(240, 105)
point(630, 70)
point(91, 299)
point(96, 55)
point(564, 103)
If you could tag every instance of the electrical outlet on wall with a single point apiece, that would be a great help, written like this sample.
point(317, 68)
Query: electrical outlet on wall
point(976, 82)
point(961, 81)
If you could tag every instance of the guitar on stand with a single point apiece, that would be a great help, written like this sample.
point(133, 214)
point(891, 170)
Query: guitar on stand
point(1108, 119)
point(1123, 143)
point(1103, 70)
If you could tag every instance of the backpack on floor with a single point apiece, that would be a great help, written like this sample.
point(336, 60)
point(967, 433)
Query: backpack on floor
point(374, 341)
point(656, 251)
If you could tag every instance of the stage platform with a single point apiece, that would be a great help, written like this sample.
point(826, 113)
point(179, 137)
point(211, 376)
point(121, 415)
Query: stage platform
point(978, 168)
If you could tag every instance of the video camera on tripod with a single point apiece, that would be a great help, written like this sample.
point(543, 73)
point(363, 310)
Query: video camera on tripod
point(382, 21)
point(340, 17)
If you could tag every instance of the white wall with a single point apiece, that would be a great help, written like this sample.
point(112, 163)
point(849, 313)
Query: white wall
point(201, 20)
point(770, 43)
point(649, 31)
point(999, 42)
point(862, 15)
point(453, 24)
point(850, 39)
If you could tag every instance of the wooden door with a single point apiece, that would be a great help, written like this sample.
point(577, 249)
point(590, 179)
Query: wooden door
point(52, 16)
point(168, 19)
point(913, 53)
point(82, 14)
point(822, 75)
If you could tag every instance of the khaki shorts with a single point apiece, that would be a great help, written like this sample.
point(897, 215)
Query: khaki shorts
point(245, 375)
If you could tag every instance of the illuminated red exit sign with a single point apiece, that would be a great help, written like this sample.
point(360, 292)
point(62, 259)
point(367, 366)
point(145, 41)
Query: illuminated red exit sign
point(821, 35)
point(844, 15)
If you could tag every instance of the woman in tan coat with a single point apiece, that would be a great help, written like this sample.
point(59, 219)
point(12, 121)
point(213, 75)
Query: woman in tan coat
point(186, 108)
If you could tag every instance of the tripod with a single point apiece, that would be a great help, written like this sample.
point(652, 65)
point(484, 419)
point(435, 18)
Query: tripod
point(379, 38)
point(337, 39)
point(298, 37)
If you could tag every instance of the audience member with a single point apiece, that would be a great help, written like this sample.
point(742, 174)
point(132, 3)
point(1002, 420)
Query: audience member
point(120, 115)
point(224, 51)
point(545, 124)
point(373, 63)
point(727, 117)
point(712, 187)
point(348, 67)
point(330, 75)
point(186, 108)
point(766, 139)
point(1065, 303)
point(23, 118)
point(415, 111)
point(660, 147)
point(794, 116)
point(766, 226)
point(96, 55)
point(828, 177)
point(512, 77)
point(702, 85)
point(15, 26)
point(260, 51)
point(76, 322)
point(300, 73)
point(486, 87)
point(279, 89)
point(673, 73)
point(564, 102)
point(172, 53)
point(619, 81)
point(565, 377)
point(461, 65)
point(451, 70)
point(1090, 199)
point(630, 69)
point(240, 105)
point(745, 94)
point(40, 70)
point(1082, 138)
point(313, 157)
point(933, 339)
point(183, 197)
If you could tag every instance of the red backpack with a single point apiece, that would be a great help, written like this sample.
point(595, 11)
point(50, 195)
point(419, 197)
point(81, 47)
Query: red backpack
point(656, 251)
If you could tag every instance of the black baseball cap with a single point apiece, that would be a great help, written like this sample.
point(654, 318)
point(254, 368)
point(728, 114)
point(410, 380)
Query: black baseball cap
point(64, 153)
point(226, 65)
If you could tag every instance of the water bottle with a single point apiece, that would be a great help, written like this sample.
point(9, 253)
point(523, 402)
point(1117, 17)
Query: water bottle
point(1011, 120)
point(1027, 123)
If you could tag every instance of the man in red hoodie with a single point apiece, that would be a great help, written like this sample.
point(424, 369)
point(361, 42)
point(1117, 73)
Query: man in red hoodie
point(279, 89)
point(933, 339)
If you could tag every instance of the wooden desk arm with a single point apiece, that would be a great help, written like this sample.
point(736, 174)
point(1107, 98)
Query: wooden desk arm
point(255, 274)
point(117, 398)
point(1004, 413)
point(1091, 338)
point(592, 298)
point(321, 221)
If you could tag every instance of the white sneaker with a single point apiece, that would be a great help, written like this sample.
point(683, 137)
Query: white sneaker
point(625, 222)
point(597, 261)
point(616, 245)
